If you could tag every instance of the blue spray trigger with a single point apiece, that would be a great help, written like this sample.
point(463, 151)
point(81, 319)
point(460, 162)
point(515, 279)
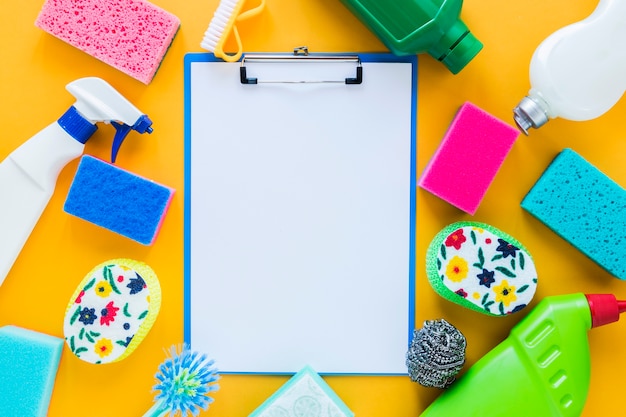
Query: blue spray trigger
point(142, 125)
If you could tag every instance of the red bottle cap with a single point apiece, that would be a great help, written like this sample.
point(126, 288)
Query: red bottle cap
point(605, 308)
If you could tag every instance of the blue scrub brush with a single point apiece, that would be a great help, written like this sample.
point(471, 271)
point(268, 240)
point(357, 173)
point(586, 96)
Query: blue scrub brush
point(185, 380)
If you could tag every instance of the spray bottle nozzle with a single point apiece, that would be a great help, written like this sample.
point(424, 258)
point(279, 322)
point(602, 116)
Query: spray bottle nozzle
point(605, 308)
point(97, 101)
point(143, 125)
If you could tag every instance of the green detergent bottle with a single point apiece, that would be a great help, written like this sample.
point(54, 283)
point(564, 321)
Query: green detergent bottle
point(409, 27)
point(541, 369)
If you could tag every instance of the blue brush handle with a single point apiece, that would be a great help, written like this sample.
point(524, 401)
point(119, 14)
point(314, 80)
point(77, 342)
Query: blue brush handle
point(157, 410)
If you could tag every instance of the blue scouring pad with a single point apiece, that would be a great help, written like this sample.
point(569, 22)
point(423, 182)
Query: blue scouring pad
point(583, 206)
point(28, 366)
point(118, 200)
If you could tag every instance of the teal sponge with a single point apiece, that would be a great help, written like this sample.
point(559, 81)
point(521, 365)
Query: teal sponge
point(28, 368)
point(583, 206)
point(118, 200)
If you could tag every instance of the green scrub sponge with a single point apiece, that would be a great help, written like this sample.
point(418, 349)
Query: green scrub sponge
point(28, 368)
point(482, 268)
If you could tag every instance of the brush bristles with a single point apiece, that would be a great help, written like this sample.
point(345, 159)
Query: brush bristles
point(186, 378)
point(222, 17)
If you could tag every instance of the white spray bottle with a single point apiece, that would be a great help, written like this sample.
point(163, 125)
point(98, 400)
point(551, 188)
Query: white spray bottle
point(28, 175)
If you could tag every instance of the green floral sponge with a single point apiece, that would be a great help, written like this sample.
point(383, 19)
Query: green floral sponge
point(482, 268)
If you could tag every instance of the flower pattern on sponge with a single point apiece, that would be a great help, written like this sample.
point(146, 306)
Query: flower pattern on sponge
point(482, 268)
point(111, 311)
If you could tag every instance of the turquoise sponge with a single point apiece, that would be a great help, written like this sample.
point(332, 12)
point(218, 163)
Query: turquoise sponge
point(28, 368)
point(118, 200)
point(583, 206)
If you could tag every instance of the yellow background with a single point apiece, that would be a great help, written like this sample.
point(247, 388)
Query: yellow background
point(35, 67)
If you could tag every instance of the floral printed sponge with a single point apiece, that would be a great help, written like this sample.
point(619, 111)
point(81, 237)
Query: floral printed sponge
point(482, 268)
point(112, 311)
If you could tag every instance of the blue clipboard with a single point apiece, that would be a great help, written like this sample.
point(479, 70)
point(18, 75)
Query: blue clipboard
point(300, 212)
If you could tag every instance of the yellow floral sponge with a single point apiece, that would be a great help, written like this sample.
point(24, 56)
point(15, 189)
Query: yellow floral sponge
point(482, 268)
point(112, 310)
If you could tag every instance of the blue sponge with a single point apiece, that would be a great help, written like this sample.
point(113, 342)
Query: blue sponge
point(584, 207)
point(28, 366)
point(118, 200)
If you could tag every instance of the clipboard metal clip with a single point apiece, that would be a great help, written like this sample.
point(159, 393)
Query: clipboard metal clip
point(300, 54)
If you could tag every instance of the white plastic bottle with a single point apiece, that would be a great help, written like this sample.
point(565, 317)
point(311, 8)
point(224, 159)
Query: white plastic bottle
point(579, 72)
point(28, 175)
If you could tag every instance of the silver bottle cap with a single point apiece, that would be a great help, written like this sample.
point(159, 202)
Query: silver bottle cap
point(529, 113)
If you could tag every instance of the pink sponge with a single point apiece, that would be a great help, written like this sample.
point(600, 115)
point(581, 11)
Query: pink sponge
point(130, 35)
point(468, 158)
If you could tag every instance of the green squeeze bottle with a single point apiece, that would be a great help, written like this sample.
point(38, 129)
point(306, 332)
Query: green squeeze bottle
point(541, 369)
point(409, 27)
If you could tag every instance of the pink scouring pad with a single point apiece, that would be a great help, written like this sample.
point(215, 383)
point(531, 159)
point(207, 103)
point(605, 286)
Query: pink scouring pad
point(468, 158)
point(130, 35)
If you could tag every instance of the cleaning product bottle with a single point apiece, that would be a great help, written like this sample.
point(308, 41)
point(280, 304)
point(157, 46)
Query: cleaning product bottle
point(28, 175)
point(409, 27)
point(541, 369)
point(577, 73)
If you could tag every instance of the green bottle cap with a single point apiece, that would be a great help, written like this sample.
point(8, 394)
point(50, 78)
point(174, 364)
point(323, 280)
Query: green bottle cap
point(461, 53)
